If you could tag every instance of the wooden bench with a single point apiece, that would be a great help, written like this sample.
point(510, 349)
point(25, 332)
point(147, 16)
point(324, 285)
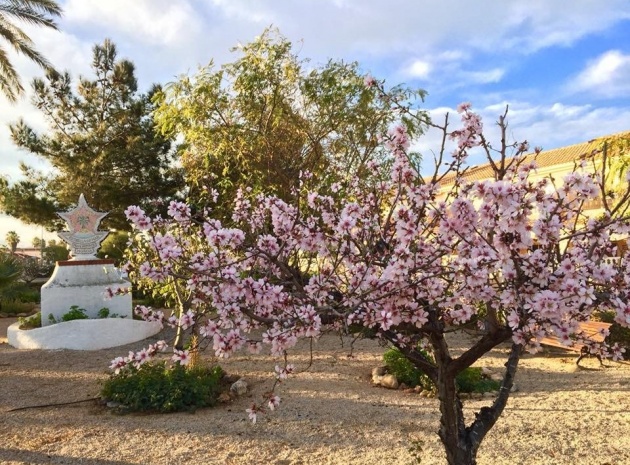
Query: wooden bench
point(591, 330)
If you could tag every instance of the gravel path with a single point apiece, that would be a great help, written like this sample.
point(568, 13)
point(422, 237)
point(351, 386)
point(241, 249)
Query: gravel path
point(330, 414)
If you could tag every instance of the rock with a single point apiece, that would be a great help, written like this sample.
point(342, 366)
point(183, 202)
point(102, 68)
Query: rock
point(113, 404)
point(408, 391)
point(487, 395)
point(514, 388)
point(379, 371)
point(476, 395)
point(486, 371)
point(224, 397)
point(22, 315)
point(239, 387)
point(403, 386)
point(496, 377)
point(3, 315)
point(389, 381)
point(418, 389)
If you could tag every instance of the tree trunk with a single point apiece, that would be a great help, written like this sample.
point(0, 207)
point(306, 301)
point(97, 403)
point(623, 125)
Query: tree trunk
point(453, 433)
point(460, 442)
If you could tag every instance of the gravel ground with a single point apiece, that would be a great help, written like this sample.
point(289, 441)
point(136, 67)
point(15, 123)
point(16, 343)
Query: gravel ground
point(330, 414)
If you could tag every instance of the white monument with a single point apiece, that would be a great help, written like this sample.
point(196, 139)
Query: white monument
point(85, 279)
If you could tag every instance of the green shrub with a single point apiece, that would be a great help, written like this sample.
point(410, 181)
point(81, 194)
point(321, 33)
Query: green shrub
point(31, 322)
point(158, 388)
point(13, 307)
point(404, 371)
point(469, 380)
point(75, 313)
point(473, 380)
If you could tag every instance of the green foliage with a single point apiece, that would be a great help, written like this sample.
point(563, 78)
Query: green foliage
point(31, 322)
point(11, 289)
point(103, 312)
point(114, 245)
point(155, 387)
point(28, 12)
point(10, 271)
point(469, 380)
point(404, 370)
point(618, 334)
point(101, 142)
point(13, 240)
point(269, 115)
point(75, 313)
point(15, 307)
point(473, 380)
point(55, 253)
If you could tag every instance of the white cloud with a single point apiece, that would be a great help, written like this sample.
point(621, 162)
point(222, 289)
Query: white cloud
point(606, 76)
point(485, 77)
point(148, 21)
point(418, 69)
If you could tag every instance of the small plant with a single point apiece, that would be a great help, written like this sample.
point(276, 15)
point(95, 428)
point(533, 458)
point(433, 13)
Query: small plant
point(405, 372)
point(103, 312)
point(415, 450)
point(471, 379)
point(156, 387)
point(75, 313)
point(31, 322)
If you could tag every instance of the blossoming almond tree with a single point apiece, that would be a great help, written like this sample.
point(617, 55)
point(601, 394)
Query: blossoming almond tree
point(409, 259)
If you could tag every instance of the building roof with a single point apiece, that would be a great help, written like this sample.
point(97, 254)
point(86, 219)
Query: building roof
point(545, 158)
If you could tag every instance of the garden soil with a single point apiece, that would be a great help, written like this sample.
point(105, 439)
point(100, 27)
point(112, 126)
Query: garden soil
point(330, 413)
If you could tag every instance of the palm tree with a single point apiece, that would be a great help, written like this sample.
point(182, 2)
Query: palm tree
point(13, 240)
point(38, 12)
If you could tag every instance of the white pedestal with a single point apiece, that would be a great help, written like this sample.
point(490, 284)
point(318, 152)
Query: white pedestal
point(83, 334)
point(83, 283)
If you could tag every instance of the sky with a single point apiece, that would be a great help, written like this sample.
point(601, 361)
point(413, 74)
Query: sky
point(563, 68)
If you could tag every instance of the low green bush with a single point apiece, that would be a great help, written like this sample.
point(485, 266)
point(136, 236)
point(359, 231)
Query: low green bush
point(405, 372)
point(156, 387)
point(13, 307)
point(471, 379)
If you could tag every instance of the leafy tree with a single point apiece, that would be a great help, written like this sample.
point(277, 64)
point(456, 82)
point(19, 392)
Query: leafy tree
point(37, 12)
point(411, 259)
point(268, 116)
point(54, 253)
point(101, 143)
point(38, 242)
point(13, 240)
point(114, 246)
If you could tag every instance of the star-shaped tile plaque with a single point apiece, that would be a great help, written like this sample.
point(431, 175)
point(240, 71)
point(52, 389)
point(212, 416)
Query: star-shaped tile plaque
point(83, 236)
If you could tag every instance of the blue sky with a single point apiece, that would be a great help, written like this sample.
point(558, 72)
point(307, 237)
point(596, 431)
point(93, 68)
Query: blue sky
point(563, 67)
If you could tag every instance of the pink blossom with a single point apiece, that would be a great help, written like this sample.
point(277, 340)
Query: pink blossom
point(252, 412)
point(181, 356)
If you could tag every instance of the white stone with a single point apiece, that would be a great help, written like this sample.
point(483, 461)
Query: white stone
point(389, 381)
point(84, 284)
point(239, 387)
point(83, 334)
